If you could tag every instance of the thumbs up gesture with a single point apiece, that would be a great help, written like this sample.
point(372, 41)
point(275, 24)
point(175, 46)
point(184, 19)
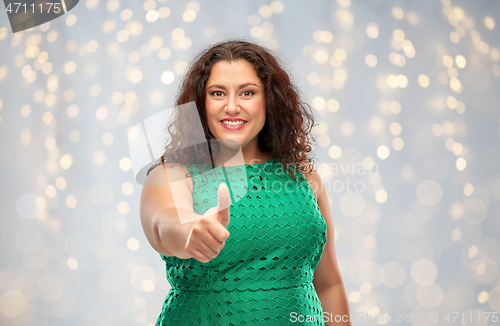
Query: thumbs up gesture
point(208, 235)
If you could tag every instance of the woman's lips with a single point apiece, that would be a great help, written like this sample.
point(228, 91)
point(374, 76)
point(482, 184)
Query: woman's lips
point(235, 127)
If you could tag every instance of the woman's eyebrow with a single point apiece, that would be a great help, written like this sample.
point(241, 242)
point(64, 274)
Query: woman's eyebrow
point(239, 87)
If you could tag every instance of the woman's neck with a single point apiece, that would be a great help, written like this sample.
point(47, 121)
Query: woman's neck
point(231, 157)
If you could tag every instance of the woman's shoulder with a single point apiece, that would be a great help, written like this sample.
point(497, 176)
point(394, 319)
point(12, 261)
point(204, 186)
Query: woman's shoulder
point(170, 172)
point(313, 178)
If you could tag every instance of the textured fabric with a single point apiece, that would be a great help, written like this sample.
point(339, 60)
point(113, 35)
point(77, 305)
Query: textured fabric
point(264, 272)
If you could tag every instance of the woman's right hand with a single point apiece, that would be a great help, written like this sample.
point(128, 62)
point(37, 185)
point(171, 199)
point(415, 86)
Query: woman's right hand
point(208, 235)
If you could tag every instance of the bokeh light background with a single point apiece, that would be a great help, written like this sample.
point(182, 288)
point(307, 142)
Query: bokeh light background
point(410, 88)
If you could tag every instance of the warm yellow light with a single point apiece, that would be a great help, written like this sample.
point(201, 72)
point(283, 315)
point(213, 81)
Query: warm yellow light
point(423, 81)
point(489, 23)
point(447, 61)
point(399, 35)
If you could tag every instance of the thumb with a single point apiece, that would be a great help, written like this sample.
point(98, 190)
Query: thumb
point(224, 201)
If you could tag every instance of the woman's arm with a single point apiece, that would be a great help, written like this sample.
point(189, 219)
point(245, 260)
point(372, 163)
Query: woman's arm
point(160, 214)
point(327, 279)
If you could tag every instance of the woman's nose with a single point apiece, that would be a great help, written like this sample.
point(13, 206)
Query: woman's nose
point(232, 106)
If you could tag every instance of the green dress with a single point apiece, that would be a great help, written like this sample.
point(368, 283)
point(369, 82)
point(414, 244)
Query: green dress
point(264, 273)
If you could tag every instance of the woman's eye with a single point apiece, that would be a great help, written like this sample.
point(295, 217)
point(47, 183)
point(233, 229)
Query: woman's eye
point(247, 93)
point(217, 93)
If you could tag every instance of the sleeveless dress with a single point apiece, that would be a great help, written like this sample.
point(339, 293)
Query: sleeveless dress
point(263, 275)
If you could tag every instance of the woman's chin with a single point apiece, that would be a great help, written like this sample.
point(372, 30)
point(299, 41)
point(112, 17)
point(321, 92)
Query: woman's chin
point(230, 144)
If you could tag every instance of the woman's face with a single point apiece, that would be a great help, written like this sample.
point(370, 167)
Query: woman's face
point(234, 92)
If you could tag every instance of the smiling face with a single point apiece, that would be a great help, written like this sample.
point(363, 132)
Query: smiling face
point(235, 92)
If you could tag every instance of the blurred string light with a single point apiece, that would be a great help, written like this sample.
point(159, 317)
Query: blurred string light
point(68, 228)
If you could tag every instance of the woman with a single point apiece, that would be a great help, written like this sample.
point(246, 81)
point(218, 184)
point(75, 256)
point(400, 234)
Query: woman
point(269, 258)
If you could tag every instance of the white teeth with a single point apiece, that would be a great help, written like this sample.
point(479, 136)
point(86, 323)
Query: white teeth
point(233, 123)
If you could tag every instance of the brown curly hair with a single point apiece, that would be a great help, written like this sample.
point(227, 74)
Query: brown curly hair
point(286, 134)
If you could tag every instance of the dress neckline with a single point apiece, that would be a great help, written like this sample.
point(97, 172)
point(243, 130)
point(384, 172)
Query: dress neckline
point(260, 163)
